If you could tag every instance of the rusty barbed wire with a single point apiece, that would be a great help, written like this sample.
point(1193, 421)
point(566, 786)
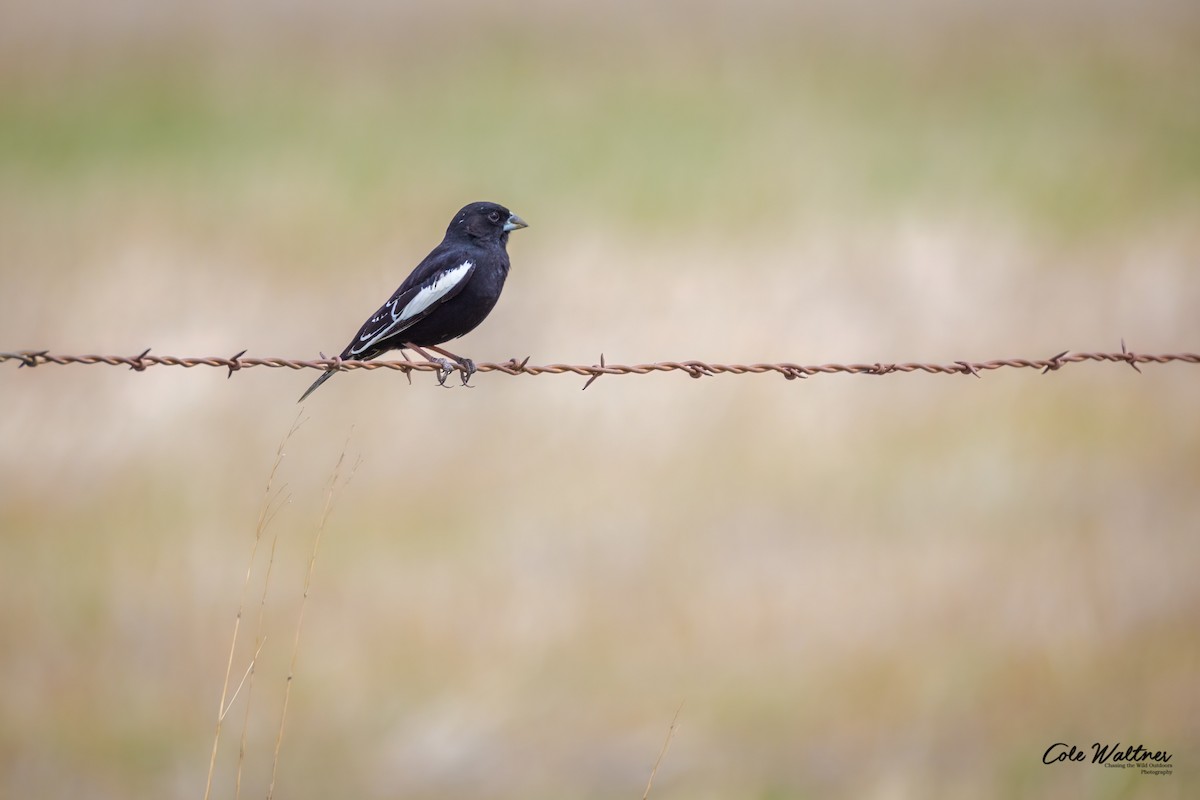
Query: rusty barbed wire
point(695, 369)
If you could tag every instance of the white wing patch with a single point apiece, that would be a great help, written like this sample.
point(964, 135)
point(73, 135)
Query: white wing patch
point(433, 292)
point(421, 301)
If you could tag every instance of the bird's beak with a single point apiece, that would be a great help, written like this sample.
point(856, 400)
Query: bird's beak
point(514, 222)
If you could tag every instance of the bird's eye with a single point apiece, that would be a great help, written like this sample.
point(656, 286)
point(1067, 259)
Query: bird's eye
point(494, 216)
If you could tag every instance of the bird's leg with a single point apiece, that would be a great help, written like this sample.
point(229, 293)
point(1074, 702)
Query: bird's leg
point(444, 364)
point(467, 364)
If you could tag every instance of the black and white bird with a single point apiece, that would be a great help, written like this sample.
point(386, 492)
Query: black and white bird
point(446, 296)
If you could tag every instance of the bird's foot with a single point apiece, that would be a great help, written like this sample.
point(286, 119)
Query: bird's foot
point(446, 366)
point(468, 370)
point(444, 370)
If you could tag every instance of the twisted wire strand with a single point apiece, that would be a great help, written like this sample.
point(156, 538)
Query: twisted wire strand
point(696, 369)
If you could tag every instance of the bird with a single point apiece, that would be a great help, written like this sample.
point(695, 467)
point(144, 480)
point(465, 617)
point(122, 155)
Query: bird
point(448, 294)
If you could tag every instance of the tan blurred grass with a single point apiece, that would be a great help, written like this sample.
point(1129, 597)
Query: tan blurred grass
point(902, 586)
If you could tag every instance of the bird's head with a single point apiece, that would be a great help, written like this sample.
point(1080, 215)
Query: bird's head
point(485, 222)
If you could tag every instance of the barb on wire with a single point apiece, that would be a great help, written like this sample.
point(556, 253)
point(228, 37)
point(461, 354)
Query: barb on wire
point(695, 369)
point(1130, 358)
point(968, 368)
point(137, 363)
point(1055, 362)
point(235, 363)
point(595, 375)
point(30, 358)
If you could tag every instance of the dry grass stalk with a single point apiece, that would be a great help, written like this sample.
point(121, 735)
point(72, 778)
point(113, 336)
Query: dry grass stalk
point(331, 490)
point(663, 752)
point(270, 506)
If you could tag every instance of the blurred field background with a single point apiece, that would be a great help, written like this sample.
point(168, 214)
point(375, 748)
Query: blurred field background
point(860, 587)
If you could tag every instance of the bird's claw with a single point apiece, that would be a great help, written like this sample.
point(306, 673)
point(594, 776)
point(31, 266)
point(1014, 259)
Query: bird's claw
point(446, 366)
point(468, 370)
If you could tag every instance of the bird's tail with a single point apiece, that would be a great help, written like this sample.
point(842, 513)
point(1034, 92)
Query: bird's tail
point(328, 374)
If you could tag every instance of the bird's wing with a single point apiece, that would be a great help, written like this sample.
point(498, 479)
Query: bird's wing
point(409, 305)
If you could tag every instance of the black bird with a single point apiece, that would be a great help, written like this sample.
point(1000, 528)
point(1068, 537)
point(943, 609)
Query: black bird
point(446, 296)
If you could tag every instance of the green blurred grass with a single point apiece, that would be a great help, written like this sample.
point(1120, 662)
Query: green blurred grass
point(1079, 142)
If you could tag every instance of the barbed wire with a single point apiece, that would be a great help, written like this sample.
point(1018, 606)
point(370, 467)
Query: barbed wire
point(696, 369)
